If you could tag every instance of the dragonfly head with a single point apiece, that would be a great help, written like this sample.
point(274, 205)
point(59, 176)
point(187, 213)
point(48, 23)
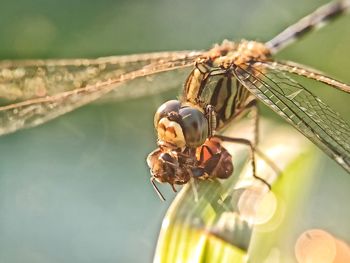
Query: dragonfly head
point(181, 125)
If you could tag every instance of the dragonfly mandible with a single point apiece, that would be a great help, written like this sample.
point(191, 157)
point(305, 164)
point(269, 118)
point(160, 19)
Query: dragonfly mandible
point(35, 91)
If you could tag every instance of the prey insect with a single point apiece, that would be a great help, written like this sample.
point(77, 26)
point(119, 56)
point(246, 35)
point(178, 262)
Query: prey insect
point(225, 83)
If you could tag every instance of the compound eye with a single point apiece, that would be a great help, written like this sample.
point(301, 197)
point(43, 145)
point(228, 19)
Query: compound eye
point(194, 126)
point(165, 109)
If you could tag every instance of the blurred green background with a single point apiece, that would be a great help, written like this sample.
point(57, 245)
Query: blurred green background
point(77, 188)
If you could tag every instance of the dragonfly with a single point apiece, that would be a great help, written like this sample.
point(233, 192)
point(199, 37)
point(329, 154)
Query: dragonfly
point(36, 91)
point(228, 81)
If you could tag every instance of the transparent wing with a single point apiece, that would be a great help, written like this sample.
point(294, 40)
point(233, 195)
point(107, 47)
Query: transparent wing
point(307, 113)
point(305, 71)
point(35, 91)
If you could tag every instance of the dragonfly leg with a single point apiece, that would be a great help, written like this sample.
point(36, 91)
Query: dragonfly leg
point(252, 106)
point(211, 117)
point(256, 114)
point(253, 150)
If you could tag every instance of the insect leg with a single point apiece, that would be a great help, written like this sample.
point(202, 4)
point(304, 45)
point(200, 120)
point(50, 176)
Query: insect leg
point(211, 117)
point(253, 150)
point(152, 179)
point(251, 106)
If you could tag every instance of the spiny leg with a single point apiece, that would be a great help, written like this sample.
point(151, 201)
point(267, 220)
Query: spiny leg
point(256, 116)
point(252, 106)
point(253, 150)
point(210, 115)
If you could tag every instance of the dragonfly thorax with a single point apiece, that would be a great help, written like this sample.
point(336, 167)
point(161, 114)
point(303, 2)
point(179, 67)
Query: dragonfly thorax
point(231, 53)
point(180, 125)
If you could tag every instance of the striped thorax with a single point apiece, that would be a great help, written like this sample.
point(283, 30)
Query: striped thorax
point(212, 81)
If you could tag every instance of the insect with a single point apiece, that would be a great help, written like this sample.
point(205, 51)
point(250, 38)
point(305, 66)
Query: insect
point(227, 81)
point(35, 91)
